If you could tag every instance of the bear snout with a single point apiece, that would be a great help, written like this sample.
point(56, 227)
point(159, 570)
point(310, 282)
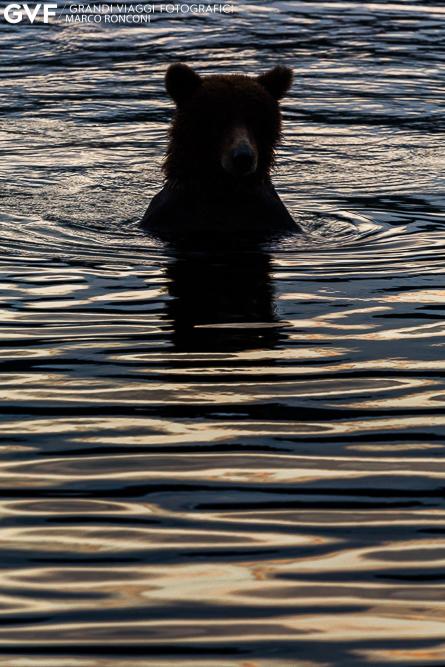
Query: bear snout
point(240, 156)
point(243, 159)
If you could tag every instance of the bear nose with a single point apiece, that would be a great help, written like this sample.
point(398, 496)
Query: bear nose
point(243, 159)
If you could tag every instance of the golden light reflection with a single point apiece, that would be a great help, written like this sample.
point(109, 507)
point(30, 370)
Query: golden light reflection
point(236, 453)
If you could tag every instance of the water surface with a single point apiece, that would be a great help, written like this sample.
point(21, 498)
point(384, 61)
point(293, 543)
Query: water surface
point(230, 458)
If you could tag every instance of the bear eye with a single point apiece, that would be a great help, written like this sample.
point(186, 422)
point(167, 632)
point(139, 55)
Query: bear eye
point(259, 123)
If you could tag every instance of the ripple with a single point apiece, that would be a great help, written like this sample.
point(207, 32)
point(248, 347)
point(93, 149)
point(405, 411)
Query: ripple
point(224, 456)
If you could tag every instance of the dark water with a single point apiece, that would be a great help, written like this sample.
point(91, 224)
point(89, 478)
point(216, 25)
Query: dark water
point(231, 459)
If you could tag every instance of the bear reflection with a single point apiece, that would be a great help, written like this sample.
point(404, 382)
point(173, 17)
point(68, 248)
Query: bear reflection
point(222, 300)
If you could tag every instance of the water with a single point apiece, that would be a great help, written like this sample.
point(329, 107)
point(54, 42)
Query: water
point(231, 458)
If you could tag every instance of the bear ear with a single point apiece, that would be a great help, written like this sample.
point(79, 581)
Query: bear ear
point(276, 81)
point(181, 82)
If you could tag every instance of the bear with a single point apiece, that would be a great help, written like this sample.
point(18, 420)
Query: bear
point(220, 154)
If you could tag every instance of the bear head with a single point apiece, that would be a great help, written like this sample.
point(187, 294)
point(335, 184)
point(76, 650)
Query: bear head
point(225, 128)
